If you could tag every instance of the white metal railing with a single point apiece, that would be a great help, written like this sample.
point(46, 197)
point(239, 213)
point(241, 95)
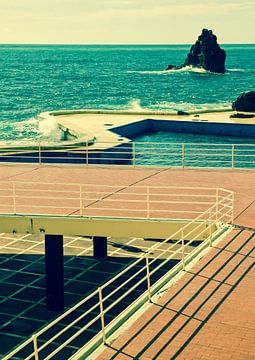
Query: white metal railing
point(135, 154)
point(140, 272)
point(136, 201)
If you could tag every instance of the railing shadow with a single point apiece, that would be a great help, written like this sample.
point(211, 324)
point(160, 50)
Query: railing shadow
point(190, 316)
point(22, 298)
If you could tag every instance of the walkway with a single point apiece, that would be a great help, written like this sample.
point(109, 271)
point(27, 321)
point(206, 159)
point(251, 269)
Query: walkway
point(208, 314)
point(240, 181)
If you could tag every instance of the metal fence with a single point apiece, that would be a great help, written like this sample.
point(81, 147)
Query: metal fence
point(140, 272)
point(135, 201)
point(134, 154)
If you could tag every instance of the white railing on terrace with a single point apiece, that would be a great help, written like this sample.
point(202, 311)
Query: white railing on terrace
point(135, 154)
point(135, 201)
point(144, 268)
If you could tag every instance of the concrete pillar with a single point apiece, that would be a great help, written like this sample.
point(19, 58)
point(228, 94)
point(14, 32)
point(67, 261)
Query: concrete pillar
point(54, 272)
point(100, 246)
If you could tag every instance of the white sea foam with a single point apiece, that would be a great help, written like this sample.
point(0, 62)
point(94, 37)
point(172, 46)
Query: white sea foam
point(30, 121)
point(153, 72)
point(173, 71)
point(135, 105)
point(236, 70)
point(188, 106)
point(48, 128)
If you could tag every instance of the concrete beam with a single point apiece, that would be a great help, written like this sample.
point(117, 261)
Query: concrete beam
point(72, 225)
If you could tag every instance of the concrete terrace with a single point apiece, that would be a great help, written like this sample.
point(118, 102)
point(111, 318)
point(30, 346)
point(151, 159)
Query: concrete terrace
point(199, 317)
point(240, 181)
point(208, 314)
point(107, 126)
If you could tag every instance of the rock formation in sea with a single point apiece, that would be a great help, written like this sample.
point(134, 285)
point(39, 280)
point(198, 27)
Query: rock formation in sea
point(205, 53)
point(245, 102)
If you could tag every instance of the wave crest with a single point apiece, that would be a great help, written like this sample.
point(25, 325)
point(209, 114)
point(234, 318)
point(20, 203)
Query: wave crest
point(48, 129)
point(185, 69)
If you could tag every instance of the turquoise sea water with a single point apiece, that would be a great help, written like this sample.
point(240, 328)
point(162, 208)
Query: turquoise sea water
point(42, 78)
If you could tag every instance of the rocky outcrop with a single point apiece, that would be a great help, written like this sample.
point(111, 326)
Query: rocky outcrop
point(245, 102)
point(205, 53)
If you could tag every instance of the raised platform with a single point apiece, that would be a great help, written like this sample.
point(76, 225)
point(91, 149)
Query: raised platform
point(241, 182)
point(119, 126)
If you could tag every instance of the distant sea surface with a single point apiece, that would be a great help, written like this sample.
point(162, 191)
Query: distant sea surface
point(37, 78)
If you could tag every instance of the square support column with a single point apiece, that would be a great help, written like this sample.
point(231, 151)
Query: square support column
point(54, 272)
point(100, 246)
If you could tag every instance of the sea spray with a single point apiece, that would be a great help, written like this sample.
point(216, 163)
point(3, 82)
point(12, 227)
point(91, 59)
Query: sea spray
point(135, 105)
point(49, 129)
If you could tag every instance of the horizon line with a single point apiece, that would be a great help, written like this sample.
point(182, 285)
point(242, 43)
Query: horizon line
point(117, 44)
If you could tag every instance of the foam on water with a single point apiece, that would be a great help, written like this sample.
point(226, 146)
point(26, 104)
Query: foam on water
point(187, 106)
point(185, 69)
point(48, 129)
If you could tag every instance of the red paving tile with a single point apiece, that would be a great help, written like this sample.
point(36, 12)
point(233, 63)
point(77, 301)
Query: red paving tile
point(208, 314)
point(240, 181)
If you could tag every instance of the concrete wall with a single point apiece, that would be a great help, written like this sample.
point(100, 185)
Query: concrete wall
point(133, 129)
point(203, 127)
point(193, 127)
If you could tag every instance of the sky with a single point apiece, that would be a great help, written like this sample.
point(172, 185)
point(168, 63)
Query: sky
point(125, 21)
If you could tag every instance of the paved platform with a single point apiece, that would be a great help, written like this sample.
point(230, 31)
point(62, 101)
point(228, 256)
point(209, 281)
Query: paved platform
point(22, 285)
point(104, 125)
point(240, 181)
point(208, 314)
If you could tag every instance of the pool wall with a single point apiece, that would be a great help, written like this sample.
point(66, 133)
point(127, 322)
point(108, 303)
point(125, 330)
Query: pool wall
point(193, 127)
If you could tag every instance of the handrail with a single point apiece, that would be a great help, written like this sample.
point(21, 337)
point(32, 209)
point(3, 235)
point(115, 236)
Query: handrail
point(133, 153)
point(136, 201)
point(211, 216)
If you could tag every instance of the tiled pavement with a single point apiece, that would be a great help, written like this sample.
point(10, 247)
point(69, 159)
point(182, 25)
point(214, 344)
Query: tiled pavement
point(180, 324)
point(240, 181)
point(22, 294)
point(208, 314)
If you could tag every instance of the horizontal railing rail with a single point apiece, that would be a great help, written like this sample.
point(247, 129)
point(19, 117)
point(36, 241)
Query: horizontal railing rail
point(140, 271)
point(136, 201)
point(134, 154)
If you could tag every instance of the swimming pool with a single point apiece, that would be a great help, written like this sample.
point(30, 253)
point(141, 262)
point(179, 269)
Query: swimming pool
point(184, 149)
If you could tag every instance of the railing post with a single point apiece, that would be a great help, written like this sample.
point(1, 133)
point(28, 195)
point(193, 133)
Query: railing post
point(183, 252)
point(233, 156)
point(183, 155)
point(232, 213)
point(210, 227)
point(148, 202)
point(39, 153)
point(80, 199)
point(87, 153)
point(148, 278)
point(36, 355)
point(102, 313)
point(217, 204)
point(14, 197)
point(133, 154)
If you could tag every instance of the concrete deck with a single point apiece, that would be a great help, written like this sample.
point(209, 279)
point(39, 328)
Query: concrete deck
point(208, 314)
point(22, 285)
point(116, 126)
point(240, 181)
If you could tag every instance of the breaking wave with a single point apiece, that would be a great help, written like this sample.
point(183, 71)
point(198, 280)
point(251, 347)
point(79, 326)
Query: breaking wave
point(167, 72)
point(135, 105)
point(48, 129)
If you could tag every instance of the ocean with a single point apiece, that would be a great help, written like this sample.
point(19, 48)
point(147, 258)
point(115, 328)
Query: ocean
point(37, 78)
